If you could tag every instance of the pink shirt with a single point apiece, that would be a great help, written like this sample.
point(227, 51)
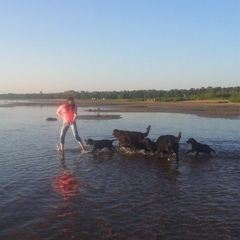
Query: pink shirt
point(68, 116)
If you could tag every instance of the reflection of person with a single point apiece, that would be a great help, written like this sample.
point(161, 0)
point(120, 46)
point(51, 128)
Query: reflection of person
point(68, 111)
point(65, 183)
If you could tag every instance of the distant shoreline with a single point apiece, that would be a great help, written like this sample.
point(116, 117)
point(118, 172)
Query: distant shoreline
point(205, 108)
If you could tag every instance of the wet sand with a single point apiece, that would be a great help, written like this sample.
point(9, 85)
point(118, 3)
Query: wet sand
point(214, 109)
point(205, 108)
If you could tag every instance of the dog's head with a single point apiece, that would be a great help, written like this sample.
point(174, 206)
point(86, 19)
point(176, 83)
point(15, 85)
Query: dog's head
point(150, 143)
point(191, 140)
point(89, 141)
point(115, 133)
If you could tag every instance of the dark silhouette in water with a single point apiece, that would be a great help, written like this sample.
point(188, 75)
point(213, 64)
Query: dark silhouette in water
point(199, 147)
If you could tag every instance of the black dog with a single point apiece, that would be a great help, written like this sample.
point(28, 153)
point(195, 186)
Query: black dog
point(199, 147)
point(100, 144)
point(130, 139)
point(168, 143)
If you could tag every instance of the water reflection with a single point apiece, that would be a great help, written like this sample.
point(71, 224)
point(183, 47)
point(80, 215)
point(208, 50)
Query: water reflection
point(65, 183)
point(67, 186)
point(168, 167)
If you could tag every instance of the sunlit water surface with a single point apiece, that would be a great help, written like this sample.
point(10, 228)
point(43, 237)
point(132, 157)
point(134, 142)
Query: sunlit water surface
point(117, 195)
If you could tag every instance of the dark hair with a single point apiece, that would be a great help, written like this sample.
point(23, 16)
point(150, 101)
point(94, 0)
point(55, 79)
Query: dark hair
point(70, 99)
point(67, 103)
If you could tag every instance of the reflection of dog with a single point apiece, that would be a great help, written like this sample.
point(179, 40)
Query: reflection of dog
point(100, 144)
point(199, 147)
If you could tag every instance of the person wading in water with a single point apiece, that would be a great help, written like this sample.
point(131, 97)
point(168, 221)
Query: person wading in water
point(68, 112)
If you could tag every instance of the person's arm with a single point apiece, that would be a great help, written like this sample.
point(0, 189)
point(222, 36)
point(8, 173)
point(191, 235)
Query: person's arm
point(59, 111)
point(75, 114)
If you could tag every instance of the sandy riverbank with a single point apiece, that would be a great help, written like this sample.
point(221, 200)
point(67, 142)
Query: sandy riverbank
point(215, 109)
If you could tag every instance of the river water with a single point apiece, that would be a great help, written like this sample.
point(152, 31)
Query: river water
point(117, 195)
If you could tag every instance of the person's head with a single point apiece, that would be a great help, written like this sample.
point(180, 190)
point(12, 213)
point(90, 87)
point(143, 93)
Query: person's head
point(70, 101)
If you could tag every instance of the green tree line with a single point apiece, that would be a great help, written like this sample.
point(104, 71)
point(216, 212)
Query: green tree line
point(210, 93)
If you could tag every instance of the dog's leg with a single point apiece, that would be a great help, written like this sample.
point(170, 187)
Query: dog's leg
point(213, 150)
point(209, 154)
point(189, 151)
point(110, 148)
point(168, 149)
point(177, 159)
point(159, 154)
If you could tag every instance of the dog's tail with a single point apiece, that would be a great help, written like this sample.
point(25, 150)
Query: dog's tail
point(147, 131)
point(148, 128)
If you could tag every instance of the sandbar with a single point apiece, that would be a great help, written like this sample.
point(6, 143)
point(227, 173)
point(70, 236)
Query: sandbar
point(100, 109)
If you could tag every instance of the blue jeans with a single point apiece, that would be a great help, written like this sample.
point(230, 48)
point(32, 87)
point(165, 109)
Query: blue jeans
point(64, 130)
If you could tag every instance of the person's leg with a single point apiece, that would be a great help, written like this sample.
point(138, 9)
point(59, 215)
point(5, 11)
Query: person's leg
point(63, 132)
point(76, 136)
point(81, 145)
point(62, 147)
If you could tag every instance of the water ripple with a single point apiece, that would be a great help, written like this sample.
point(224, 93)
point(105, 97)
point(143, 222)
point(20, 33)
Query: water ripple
point(117, 195)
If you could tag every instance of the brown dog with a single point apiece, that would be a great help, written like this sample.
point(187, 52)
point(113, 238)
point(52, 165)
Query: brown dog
point(130, 139)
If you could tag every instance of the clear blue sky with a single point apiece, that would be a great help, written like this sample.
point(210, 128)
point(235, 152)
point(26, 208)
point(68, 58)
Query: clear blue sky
point(106, 45)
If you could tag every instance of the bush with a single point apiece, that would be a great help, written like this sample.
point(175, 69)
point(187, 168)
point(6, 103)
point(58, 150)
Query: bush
point(235, 98)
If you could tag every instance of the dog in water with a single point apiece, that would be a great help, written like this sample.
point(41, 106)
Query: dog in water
point(100, 144)
point(130, 139)
point(167, 144)
point(199, 147)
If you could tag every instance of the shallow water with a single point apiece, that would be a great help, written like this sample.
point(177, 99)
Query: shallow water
point(117, 195)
